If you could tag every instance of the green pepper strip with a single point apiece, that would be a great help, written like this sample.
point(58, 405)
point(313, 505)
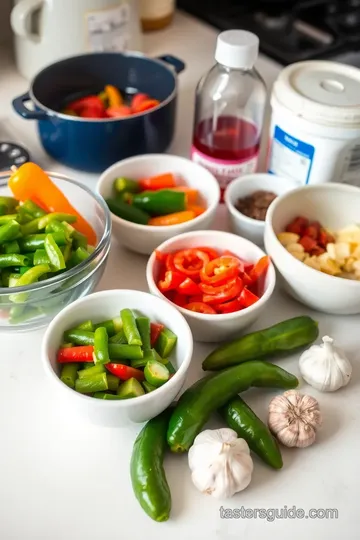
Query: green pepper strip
point(9, 231)
point(119, 338)
point(31, 276)
point(7, 217)
point(101, 346)
point(68, 374)
point(11, 247)
point(129, 325)
point(161, 202)
point(14, 259)
point(40, 257)
point(96, 383)
point(143, 325)
point(86, 325)
point(9, 202)
point(31, 208)
point(79, 240)
point(53, 251)
point(37, 241)
point(56, 216)
point(56, 226)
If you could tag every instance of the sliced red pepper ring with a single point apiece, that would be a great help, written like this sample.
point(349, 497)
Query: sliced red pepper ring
point(161, 256)
point(220, 270)
point(189, 287)
point(211, 289)
point(228, 293)
point(155, 331)
point(125, 372)
point(260, 268)
point(230, 307)
point(190, 261)
point(247, 298)
point(169, 263)
point(171, 282)
point(213, 254)
point(200, 307)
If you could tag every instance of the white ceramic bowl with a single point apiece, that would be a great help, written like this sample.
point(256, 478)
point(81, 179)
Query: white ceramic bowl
point(335, 206)
point(145, 238)
point(101, 306)
point(249, 228)
point(212, 328)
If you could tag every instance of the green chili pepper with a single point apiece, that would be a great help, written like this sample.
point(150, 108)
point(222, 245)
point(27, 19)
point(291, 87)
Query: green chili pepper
point(161, 202)
point(124, 352)
point(86, 325)
point(31, 276)
point(129, 325)
point(56, 216)
point(147, 471)
point(9, 202)
point(113, 382)
point(212, 392)
point(3, 209)
point(37, 241)
point(149, 355)
point(14, 259)
point(96, 383)
point(33, 209)
point(8, 217)
point(11, 247)
point(126, 184)
point(53, 251)
point(127, 211)
point(89, 372)
point(79, 240)
point(143, 325)
point(281, 338)
point(68, 374)
point(67, 252)
point(31, 227)
point(40, 257)
point(79, 337)
point(101, 346)
point(9, 231)
point(23, 217)
point(56, 226)
point(239, 417)
point(119, 338)
point(112, 326)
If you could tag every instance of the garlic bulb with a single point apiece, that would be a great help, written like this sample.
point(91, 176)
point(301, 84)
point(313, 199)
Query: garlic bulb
point(325, 367)
point(220, 462)
point(294, 419)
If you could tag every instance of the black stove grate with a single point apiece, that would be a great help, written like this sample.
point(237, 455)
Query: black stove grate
point(288, 31)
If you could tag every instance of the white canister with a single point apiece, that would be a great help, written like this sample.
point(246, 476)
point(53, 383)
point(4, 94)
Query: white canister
point(49, 30)
point(315, 124)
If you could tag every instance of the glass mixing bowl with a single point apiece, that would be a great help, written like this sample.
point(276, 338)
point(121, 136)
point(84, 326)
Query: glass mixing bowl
point(42, 300)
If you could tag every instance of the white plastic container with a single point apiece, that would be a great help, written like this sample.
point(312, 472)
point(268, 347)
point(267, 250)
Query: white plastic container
point(315, 125)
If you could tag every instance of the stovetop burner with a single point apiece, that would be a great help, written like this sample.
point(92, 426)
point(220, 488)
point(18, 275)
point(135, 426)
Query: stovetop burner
point(289, 31)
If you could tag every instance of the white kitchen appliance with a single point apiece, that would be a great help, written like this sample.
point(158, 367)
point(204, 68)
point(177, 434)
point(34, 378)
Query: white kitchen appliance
point(49, 30)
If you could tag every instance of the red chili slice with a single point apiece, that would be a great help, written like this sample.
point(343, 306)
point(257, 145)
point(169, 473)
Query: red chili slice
point(298, 225)
point(247, 298)
point(125, 372)
point(226, 294)
point(308, 243)
point(213, 254)
point(155, 331)
point(189, 287)
point(171, 282)
point(220, 270)
point(161, 256)
point(260, 268)
point(180, 299)
point(190, 261)
point(230, 307)
point(200, 307)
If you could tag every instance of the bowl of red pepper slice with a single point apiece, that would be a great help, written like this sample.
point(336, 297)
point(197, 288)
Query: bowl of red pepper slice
point(219, 281)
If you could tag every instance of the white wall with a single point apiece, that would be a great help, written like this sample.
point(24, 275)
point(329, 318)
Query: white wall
point(5, 31)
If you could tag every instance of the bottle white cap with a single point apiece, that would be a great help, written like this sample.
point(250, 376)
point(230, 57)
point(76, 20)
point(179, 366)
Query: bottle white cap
point(237, 49)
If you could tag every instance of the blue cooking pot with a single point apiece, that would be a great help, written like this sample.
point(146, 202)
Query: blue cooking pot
point(93, 145)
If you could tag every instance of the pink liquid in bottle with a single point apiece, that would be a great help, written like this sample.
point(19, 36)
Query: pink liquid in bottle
point(230, 104)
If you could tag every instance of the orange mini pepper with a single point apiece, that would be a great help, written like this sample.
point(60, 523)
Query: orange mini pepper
point(172, 219)
point(31, 182)
point(114, 97)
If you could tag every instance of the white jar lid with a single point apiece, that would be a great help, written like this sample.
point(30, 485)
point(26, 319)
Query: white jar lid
point(320, 91)
point(237, 49)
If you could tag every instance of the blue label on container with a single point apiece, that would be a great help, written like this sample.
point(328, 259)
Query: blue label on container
point(290, 157)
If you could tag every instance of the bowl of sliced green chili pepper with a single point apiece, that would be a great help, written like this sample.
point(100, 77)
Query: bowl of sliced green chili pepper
point(118, 355)
point(45, 261)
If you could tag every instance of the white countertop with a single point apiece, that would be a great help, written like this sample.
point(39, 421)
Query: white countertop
point(63, 479)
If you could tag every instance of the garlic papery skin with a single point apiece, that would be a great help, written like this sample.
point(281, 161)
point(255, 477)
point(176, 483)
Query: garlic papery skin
point(294, 419)
point(325, 367)
point(220, 462)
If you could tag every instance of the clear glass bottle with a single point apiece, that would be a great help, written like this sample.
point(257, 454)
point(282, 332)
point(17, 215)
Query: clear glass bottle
point(229, 110)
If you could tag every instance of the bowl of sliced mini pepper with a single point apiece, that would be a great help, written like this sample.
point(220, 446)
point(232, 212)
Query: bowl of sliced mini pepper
point(118, 356)
point(155, 197)
point(54, 242)
point(219, 281)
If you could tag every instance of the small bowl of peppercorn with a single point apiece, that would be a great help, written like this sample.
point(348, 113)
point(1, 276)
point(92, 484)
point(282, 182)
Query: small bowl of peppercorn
point(248, 198)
